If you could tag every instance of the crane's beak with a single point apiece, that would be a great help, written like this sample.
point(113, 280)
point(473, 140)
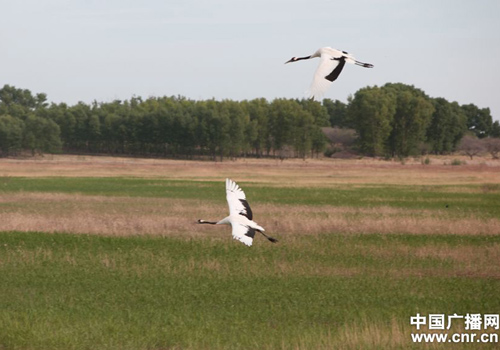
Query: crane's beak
point(290, 60)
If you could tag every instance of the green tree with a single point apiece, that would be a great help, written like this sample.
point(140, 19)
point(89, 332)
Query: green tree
point(19, 103)
point(337, 113)
point(41, 135)
point(479, 120)
point(280, 123)
point(238, 122)
point(66, 121)
point(447, 126)
point(318, 141)
point(413, 111)
point(495, 129)
point(216, 128)
point(372, 111)
point(9, 96)
point(93, 133)
point(11, 135)
point(317, 110)
point(302, 130)
point(258, 111)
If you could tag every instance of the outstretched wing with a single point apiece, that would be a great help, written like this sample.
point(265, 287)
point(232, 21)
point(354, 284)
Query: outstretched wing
point(243, 233)
point(330, 66)
point(237, 201)
point(319, 84)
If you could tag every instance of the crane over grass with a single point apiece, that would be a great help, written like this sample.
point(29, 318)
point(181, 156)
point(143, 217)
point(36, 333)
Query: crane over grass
point(240, 216)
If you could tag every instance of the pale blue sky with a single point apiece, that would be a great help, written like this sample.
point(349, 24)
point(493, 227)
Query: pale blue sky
point(113, 49)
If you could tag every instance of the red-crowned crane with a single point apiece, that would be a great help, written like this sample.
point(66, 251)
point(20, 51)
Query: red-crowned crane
point(331, 63)
point(240, 216)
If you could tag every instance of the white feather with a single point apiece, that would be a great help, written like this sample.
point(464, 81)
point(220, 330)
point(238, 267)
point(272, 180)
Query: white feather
point(329, 60)
point(319, 84)
point(326, 65)
point(240, 216)
point(234, 195)
point(239, 232)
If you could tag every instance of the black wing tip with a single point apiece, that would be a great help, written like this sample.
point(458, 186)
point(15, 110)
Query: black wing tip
point(248, 212)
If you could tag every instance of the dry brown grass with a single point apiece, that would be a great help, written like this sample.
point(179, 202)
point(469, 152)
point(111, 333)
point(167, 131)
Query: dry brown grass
point(54, 212)
point(370, 335)
point(291, 172)
point(379, 335)
point(122, 216)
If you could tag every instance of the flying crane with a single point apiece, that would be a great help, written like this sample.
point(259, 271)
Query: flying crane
point(240, 216)
point(331, 63)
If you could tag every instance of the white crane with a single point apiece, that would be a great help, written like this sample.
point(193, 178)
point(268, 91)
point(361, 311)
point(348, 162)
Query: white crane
point(331, 63)
point(240, 216)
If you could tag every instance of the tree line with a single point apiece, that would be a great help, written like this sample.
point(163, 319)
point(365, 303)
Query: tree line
point(401, 120)
point(394, 119)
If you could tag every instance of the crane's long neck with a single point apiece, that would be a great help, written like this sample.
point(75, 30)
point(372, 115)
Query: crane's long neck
point(302, 58)
point(224, 221)
point(207, 222)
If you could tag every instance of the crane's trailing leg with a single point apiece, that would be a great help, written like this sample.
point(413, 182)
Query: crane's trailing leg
point(366, 65)
point(274, 240)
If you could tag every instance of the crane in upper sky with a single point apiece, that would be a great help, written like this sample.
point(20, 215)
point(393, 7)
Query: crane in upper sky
point(331, 63)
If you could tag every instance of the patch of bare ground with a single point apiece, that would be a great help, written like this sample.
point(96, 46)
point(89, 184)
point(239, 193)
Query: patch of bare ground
point(292, 172)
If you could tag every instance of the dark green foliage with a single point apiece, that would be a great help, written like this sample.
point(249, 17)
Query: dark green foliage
point(372, 112)
point(41, 135)
point(392, 120)
point(317, 110)
point(411, 117)
point(479, 120)
point(21, 124)
point(447, 127)
point(495, 129)
point(163, 126)
point(11, 134)
point(401, 120)
point(337, 113)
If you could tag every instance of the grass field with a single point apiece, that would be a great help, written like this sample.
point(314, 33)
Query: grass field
point(103, 253)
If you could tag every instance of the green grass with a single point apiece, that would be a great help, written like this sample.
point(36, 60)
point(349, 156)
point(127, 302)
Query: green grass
point(481, 201)
point(64, 291)
point(319, 291)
